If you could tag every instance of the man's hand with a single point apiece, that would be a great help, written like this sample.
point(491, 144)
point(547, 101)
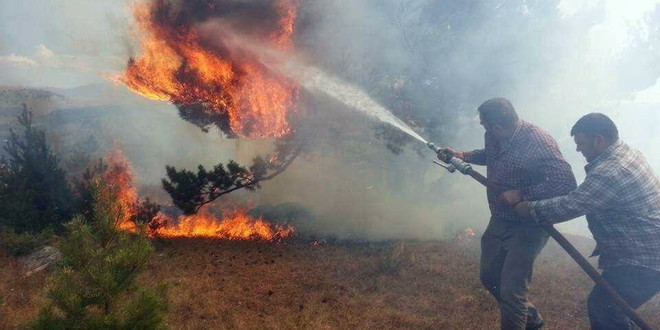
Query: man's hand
point(454, 153)
point(512, 197)
point(523, 210)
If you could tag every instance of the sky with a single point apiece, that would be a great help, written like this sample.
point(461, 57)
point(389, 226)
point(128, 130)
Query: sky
point(62, 43)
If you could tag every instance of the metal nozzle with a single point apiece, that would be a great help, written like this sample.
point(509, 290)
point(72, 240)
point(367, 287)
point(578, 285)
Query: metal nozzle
point(433, 147)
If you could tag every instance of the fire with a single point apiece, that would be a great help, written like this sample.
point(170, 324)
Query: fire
point(178, 65)
point(466, 235)
point(119, 174)
point(236, 226)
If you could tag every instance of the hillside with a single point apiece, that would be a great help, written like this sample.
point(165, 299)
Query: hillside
point(418, 285)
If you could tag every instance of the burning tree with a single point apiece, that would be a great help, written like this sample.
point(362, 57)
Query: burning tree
point(215, 84)
point(96, 286)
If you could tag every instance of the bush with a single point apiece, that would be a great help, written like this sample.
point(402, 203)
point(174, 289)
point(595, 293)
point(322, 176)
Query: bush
point(19, 244)
point(96, 286)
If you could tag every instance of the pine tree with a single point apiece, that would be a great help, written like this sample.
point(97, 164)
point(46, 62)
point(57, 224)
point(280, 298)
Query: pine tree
point(96, 286)
point(190, 191)
point(34, 193)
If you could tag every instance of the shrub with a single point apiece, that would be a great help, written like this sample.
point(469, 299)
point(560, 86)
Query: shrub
point(19, 244)
point(96, 286)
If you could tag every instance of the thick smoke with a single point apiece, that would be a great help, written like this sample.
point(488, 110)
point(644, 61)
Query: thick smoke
point(432, 63)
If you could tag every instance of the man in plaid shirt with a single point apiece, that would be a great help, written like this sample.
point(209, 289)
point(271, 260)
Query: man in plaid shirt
point(519, 157)
point(621, 199)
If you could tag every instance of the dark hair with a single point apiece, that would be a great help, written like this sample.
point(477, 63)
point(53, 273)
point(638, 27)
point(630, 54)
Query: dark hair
point(596, 124)
point(498, 111)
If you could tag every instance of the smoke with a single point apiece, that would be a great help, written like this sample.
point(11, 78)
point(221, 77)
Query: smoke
point(432, 63)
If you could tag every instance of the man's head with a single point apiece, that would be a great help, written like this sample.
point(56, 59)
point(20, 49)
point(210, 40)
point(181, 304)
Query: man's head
point(498, 117)
point(593, 134)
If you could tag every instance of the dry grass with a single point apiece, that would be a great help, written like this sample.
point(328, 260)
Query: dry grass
point(419, 285)
point(20, 297)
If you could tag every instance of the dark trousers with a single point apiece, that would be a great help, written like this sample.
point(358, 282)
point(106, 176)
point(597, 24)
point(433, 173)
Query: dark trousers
point(636, 285)
point(508, 251)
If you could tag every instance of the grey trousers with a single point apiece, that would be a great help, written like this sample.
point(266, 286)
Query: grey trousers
point(508, 251)
point(636, 285)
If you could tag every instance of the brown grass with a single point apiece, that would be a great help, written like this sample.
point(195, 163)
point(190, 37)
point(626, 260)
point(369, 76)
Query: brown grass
point(418, 285)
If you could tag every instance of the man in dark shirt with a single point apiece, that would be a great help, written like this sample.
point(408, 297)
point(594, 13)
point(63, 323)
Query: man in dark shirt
point(524, 158)
point(621, 198)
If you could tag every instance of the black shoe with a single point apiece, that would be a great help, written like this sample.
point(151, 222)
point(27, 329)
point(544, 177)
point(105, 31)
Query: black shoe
point(534, 320)
point(536, 325)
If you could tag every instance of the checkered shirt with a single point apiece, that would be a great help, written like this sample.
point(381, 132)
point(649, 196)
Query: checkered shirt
point(621, 199)
point(530, 161)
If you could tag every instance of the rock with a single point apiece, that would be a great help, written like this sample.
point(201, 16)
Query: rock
point(40, 260)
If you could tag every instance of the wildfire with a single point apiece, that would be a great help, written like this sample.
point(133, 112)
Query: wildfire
point(204, 77)
point(120, 175)
point(236, 226)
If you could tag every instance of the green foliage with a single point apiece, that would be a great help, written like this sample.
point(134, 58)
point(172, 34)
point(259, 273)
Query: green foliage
point(19, 244)
point(34, 193)
point(190, 191)
point(96, 287)
point(81, 186)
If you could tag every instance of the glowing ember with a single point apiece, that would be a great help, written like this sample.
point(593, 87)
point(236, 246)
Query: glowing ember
point(466, 235)
point(205, 78)
point(236, 226)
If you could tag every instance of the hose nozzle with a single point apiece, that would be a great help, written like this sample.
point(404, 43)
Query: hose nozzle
point(433, 147)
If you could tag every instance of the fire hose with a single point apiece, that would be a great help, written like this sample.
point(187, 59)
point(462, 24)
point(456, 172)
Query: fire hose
point(453, 164)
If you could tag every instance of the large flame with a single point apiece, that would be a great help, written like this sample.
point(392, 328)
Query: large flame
point(178, 65)
point(237, 225)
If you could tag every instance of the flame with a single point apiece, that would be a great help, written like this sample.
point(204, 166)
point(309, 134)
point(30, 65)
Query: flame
point(119, 174)
point(466, 235)
point(238, 225)
point(178, 66)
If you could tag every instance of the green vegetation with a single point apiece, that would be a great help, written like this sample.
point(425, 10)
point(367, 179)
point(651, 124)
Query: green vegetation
point(96, 285)
point(34, 193)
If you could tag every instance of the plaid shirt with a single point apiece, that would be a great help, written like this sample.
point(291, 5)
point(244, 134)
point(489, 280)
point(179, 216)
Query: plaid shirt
point(530, 161)
point(621, 198)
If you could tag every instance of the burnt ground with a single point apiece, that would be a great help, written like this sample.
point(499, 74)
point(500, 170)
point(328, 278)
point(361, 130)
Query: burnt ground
point(248, 285)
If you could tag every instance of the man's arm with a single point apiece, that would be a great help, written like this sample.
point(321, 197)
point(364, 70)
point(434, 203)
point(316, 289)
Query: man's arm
point(477, 157)
point(556, 178)
point(595, 192)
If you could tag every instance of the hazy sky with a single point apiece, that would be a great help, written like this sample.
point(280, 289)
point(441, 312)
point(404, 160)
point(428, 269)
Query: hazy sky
point(66, 43)
point(61, 43)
